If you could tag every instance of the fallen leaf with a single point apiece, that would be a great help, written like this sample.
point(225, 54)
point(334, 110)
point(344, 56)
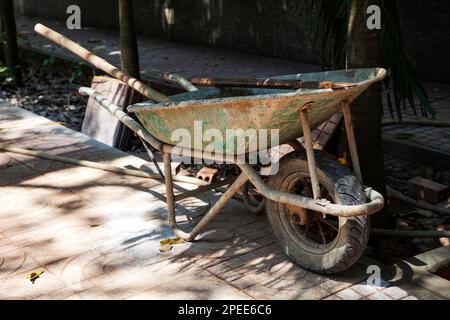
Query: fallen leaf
point(343, 161)
point(171, 241)
point(94, 41)
point(405, 136)
point(179, 241)
point(34, 276)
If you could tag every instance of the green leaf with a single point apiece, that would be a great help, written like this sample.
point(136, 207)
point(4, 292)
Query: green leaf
point(48, 61)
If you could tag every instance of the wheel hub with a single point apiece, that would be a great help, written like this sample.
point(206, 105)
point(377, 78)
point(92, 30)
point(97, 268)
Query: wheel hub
point(299, 215)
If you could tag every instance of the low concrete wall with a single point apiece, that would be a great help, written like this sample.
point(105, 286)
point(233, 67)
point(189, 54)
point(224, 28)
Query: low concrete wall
point(279, 28)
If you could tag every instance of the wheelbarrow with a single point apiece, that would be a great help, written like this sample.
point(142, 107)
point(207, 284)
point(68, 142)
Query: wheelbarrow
point(317, 207)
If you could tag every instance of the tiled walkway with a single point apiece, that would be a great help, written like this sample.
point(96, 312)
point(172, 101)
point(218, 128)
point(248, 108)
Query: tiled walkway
point(96, 234)
point(424, 136)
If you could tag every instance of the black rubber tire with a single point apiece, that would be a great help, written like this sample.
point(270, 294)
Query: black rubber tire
point(344, 188)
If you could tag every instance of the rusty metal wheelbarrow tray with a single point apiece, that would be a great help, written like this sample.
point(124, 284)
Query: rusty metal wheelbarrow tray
point(321, 104)
point(159, 120)
point(239, 108)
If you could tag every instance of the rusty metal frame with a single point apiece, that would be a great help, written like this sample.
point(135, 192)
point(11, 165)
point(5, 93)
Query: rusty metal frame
point(306, 127)
point(376, 200)
point(213, 211)
point(346, 111)
point(182, 81)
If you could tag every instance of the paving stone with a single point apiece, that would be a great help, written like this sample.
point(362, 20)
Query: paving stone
point(395, 292)
point(333, 286)
point(234, 263)
point(20, 287)
point(62, 294)
point(349, 294)
point(97, 236)
point(410, 298)
point(15, 175)
point(333, 297)
point(243, 281)
point(295, 293)
point(14, 260)
point(73, 297)
point(379, 295)
point(218, 269)
point(364, 289)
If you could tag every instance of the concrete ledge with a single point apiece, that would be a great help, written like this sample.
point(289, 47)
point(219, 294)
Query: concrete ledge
point(415, 274)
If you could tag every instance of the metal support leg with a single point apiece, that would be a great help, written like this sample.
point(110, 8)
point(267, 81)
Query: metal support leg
point(351, 139)
point(215, 209)
point(212, 213)
point(170, 197)
point(310, 152)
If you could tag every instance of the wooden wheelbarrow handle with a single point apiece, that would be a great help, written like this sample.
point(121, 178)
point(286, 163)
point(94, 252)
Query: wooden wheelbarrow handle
point(270, 83)
point(100, 63)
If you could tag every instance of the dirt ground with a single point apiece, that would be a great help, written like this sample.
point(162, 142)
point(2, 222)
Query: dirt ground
point(48, 92)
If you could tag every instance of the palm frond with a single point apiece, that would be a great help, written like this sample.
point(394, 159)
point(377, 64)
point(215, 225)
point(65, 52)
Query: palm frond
point(332, 25)
point(405, 83)
point(402, 79)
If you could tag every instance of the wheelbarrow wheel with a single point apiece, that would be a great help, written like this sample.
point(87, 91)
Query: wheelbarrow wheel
point(323, 245)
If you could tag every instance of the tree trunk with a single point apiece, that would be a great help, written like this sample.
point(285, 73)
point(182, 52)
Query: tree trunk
point(9, 36)
point(128, 43)
point(363, 51)
point(2, 58)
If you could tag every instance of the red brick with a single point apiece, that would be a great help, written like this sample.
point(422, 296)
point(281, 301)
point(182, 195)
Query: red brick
point(427, 190)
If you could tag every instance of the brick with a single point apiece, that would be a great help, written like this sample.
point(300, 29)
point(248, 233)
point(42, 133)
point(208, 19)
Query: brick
point(219, 269)
point(379, 295)
point(333, 297)
point(234, 263)
point(364, 289)
point(410, 298)
point(427, 190)
point(334, 286)
point(349, 294)
point(258, 291)
point(395, 292)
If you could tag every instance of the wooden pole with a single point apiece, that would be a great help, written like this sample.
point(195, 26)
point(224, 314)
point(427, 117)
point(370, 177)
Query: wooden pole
point(97, 165)
point(129, 56)
point(9, 36)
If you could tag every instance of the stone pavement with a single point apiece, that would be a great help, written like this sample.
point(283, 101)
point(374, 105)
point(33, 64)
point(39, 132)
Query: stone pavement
point(96, 235)
point(427, 136)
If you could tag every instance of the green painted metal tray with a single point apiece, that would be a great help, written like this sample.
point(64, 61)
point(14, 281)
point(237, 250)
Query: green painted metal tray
point(248, 110)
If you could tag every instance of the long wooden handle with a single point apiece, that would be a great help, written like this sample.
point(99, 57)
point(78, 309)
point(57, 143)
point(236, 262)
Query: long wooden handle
point(100, 63)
